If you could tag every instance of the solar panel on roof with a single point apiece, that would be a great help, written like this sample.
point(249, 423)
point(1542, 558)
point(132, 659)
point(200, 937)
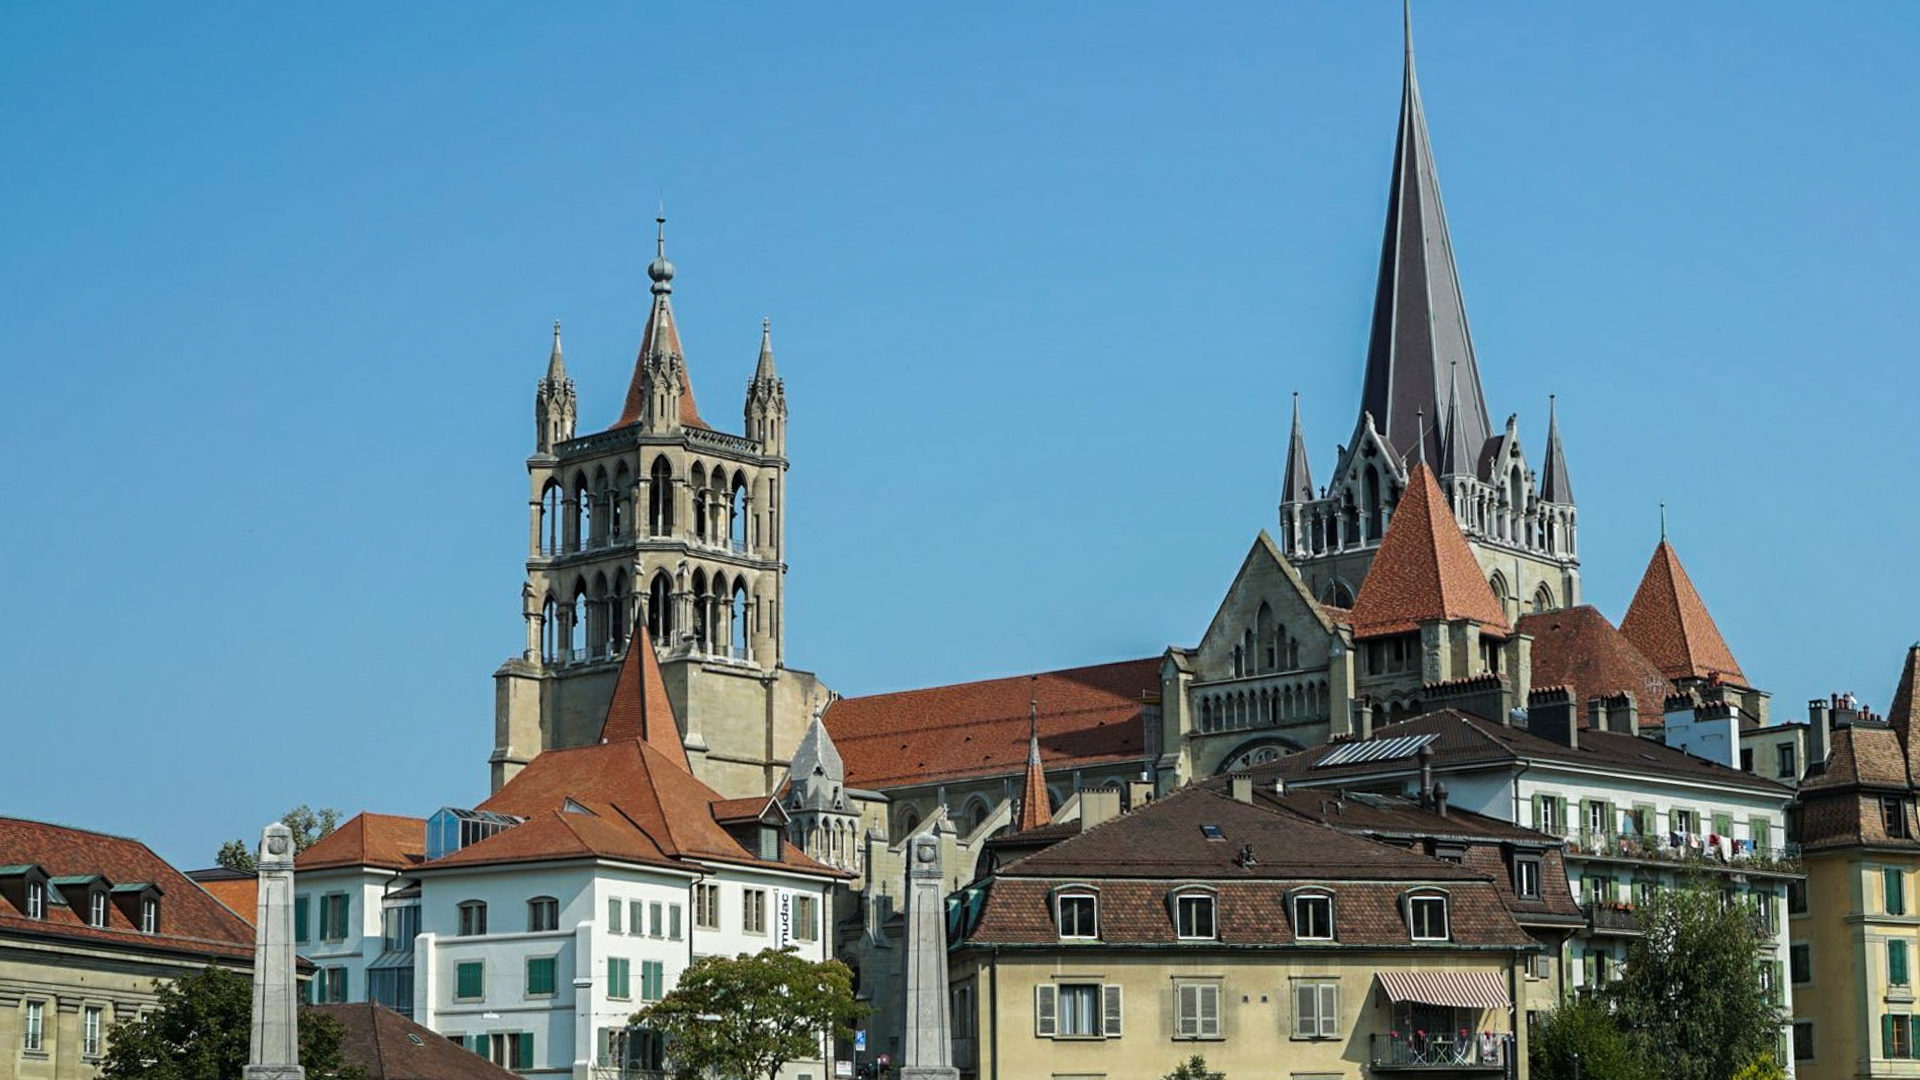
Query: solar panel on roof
point(1375, 750)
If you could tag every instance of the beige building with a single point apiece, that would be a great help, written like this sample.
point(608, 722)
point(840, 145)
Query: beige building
point(1855, 929)
point(88, 924)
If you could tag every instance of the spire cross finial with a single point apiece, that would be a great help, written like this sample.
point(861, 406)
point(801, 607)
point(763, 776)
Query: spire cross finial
point(660, 231)
point(1663, 523)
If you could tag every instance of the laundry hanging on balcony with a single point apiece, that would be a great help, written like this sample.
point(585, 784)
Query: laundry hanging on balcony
point(1455, 989)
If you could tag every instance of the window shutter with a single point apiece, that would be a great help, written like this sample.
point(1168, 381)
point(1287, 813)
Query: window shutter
point(1043, 1018)
point(1913, 1032)
point(1610, 821)
point(1306, 1011)
point(1539, 821)
point(673, 922)
point(1111, 999)
point(1330, 1009)
point(523, 1056)
point(1897, 963)
point(478, 1044)
point(1209, 1010)
point(1560, 804)
point(1886, 1035)
point(300, 919)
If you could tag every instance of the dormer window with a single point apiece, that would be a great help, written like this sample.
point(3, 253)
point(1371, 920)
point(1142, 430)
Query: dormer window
point(1526, 877)
point(1195, 915)
point(36, 900)
point(1313, 916)
point(1427, 916)
point(150, 916)
point(1078, 915)
point(97, 909)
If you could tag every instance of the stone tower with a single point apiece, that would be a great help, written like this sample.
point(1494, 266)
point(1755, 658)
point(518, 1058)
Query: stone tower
point(1421, 400)
point(660, 519)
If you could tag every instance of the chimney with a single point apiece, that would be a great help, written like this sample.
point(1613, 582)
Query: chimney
point(1363, 718)
point(1440, 796)
point(1426, 775)
point(1550, 715)
point(1279, 785)
point(1139, 793)
point(1098, 805)
point(1627, 715)
point(1241, 785)
point(1819, 732)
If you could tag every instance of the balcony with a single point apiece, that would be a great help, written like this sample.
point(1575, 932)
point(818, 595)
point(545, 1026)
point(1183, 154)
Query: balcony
point(1607, 917)
point(1709, 854)
point(1487, 1052)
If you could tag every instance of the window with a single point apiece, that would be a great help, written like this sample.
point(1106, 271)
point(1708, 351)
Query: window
point(652, 980)
point(1313, 918)
point(1796, 897)
point(470, 981)
point(614, 908)
point(1193, 913)
point(656, 915)
point(1683, 821)
point(806, 918)
point(543, 913)
point(673, 921)
point(300, 936)
point(1746, 759)
point(1078, 916)
point(399, 926)
point(1897, 963)
point(392, 987)
point(1076, 1011)
point(1763, 913)
point(1599, 817)
point(1428, 917)
point(1802, 1040)
point(1894, 887)
point(37, 901)
point(1762, 835)
point(513, 1049)
point(540, 976)
point(97, 908)
point(1316, 1010)
point(706, 907)
point(32, 1038)
point(1896, 1036)
point(90, 1032)
point(333, 917)
point(1549, 815)
point(1785, 759)
point(1196, 1011)
point(149, 916)
point(753, 911)
point(333, 989)
point(1526, 878)
point(1800, 962)
point(1894, 816)
point(619, 978)
point(636, 917)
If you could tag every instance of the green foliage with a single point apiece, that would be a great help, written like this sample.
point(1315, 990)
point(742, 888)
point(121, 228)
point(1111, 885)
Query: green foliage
point(1583, 1030)
point(1691, 997)
point(1764, 1067)
point(198, 1030)
point(1194, 1068)
point(308, 826)
point(742, 1018)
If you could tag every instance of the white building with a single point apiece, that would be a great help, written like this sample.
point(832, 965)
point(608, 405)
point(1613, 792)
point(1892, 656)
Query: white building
point(534, 926)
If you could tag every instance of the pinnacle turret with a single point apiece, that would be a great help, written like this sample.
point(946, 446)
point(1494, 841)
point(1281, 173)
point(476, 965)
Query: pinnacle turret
point(555, 404)
point(1296, 482)
point(1555, 486)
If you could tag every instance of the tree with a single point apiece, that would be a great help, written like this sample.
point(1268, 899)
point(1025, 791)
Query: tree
point(1194, 1068)
point(744, 1017)
point(198, 1030)
point(1583, 1030)
point(308, 826)
point(1691, 997)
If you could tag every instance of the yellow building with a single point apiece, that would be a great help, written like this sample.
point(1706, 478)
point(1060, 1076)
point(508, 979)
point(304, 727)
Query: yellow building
point(1219, 924)
point(1855, 929)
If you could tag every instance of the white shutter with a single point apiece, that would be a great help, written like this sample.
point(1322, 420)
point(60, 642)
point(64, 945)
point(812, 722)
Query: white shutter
point(1329, 1010)
point(1306, 1007)
point(1110, 994)
point(1043, 1011)
point(1209, 1011)
point(1187, 1011)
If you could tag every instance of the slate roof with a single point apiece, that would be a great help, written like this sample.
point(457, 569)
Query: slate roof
point(1088, 716)
point(386, 841)
point(639, 709)
point(1904, 714)
point(1669, 624)
point(1424, 569)
point(391, 1047)
point(191, 921)
point(1579, 649)
point(1296, 480)
point(1555, 485)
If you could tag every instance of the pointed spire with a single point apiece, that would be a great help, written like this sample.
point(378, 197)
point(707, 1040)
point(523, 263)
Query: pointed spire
point(556, 363)
point(1904, 714)
point(660, 342)
point(1035, 810)
point(1669, 623)
point(1460, 455)
point(1555, 485)
point(1424, 570)
point(640, 709)
point(1296, 483)
point(763, 371)
point(1419, 320)
point(817, 772)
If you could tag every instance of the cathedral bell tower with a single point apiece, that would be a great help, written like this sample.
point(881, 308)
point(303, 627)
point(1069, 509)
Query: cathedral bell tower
point(664, 522)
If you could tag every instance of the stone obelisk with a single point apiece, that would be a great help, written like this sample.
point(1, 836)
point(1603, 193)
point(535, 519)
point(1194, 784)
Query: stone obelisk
point(274, 1048)
point(927, 1051)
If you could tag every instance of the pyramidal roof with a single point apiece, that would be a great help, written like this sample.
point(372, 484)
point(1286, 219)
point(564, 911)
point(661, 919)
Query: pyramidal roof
point(1296, 485)
point(1035, 808)
point(1669, 624)
point(661, 338)
point(640, 710)
point(1419, 337)
point(1555, 485)
point(1904, 714)
point(1424, 570)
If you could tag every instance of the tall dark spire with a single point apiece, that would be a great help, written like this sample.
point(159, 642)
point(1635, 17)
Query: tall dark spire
point(1419, 327)
point(1296, 484)
point(1555, 485)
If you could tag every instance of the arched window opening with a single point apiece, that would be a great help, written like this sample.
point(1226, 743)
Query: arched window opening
point(1269, 640)
point(582, 514)
point(577, 624)
point(660, 608)
point(1370, 484)
point(620, 501)
point(660, 498)
point(601, 497)
point(701, 611)
point(550, 640)
point(597, 617)
point(619, 604)
point(737, 513)
point(1498, 583)
point(698, 481)
point(1239, 663)
point(553, 518)
point(909, 821)
point(738, 620)
point(1543, 598)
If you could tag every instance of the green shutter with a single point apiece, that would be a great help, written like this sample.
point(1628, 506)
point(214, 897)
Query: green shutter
point(1897, 963)
point(479, 1044)
point(1913, 1032)
point(470, 980)
point(540, 975)
point(1539, 822)
point(523, 1054)
point(1560, 804)
point(300, 919)
point(1895, 898)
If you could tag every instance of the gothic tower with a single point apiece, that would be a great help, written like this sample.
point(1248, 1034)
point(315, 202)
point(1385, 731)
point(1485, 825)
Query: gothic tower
point(662, 521)
point(1421, 401)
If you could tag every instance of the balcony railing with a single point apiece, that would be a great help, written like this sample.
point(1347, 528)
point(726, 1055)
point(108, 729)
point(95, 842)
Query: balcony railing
point(1414, 1051)
point(1707, 853)
point(1605, 917)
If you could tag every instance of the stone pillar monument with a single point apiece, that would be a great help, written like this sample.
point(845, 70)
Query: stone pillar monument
point(274, 1048)
point(927, 1050)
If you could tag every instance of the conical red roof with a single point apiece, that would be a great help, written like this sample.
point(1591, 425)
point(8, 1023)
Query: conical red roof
point(1424, 570)
point(1669, 624)
point(662, 336)
point(640, 709)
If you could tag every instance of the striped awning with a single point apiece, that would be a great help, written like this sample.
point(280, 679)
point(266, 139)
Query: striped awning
point(1459, 989)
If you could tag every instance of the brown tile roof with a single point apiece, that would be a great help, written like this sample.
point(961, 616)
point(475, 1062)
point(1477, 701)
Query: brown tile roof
point(1579, 649)
point(563, 834)
point(639, 708)
point(661, 335)
point(1424, 569)
point(1669, 624)
point(391, 1047)
point(386, 841)
point(1088, 716)
point(191, 920)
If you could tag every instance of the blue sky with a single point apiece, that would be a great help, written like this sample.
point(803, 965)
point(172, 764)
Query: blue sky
point(275, 287)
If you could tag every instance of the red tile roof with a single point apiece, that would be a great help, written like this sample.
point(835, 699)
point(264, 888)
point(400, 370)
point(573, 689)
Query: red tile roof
point(661, 335)
point(1669, 624)
point(1423, 570)
point(241, 895)
point(1579, 649)
point(191, 920)
point(639, 708)
point(391, 1047)
point(1088, 716)
point(1036, 810)
point(386, 841)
